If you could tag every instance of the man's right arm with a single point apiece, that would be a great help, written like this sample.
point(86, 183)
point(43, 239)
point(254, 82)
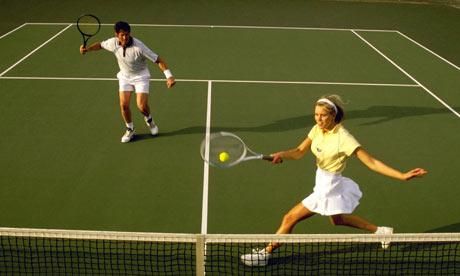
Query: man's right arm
point(93, 47)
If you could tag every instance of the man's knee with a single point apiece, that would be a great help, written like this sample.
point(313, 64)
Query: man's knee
point(124, 106)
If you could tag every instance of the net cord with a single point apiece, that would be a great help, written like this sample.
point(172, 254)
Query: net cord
point(216, 238)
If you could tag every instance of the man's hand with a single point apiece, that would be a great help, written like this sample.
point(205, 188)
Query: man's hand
point(83, 50)
point(170, 82)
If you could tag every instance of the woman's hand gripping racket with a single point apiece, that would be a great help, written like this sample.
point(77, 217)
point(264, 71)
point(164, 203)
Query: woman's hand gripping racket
point(224, 150)
point(88, 25)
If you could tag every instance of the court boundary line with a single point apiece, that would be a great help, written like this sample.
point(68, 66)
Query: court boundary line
point(224, 26)
point(12, 31)
point(428, 50)
point(408, 75)
point(220, 81)
point(35, 50)
point(205, 200)
point(254, 27)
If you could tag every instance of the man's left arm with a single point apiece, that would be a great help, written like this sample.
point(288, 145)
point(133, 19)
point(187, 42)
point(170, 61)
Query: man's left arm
point(170, 80)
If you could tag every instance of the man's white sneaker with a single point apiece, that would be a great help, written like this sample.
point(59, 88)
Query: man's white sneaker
point(258, 257)
point(382, 230)
point(152, 126)
point(129, 134)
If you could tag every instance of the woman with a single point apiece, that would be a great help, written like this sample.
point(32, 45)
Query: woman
point(333, 195)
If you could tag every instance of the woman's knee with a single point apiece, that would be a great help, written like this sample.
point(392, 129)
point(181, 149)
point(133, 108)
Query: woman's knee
point(337, 220)
point(290, 218)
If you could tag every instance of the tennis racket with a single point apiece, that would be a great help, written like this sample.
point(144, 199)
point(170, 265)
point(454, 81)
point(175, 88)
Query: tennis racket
point(225, 149)
point(88, 25)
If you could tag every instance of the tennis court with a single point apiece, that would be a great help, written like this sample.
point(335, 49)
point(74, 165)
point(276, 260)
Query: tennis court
point(252, 68)
point(65, 168)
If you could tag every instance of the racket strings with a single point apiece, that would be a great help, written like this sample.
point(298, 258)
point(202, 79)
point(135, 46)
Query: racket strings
point(233, 147)
point(223, 150)
point(88, 25)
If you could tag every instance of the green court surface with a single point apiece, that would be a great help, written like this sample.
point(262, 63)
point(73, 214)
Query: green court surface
point(63, 165)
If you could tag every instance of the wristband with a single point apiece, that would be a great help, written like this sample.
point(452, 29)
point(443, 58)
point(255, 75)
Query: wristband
point(167, 73)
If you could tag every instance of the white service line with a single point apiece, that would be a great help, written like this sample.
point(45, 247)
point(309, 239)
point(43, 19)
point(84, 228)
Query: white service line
point(12, 31)
point(58, 78)
point(408, 75)
point(428, 50)
point(36, 49)
point(223, 81)
point(204, 210)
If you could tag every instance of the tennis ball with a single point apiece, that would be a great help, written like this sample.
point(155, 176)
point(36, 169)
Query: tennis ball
point(223, 156)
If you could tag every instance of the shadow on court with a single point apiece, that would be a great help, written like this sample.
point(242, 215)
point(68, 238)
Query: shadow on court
point(379, 114)
point(452, 228)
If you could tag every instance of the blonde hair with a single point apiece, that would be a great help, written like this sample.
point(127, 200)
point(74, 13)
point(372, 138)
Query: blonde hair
point(338, 102)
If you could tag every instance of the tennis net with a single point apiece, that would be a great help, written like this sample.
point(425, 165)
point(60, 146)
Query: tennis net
point(65, 252)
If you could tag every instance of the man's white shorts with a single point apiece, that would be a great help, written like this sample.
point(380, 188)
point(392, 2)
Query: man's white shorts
point(139, 84)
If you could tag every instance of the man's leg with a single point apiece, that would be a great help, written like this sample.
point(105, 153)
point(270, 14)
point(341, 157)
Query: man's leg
point(125, 97)
point(142, 100)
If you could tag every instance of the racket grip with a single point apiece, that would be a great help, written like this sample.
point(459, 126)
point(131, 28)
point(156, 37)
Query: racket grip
point(270, 158)
point(267, 157)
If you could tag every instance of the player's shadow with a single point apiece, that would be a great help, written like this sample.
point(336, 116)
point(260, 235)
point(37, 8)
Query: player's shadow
point(385, 113)
point(142, 136)
point(451, 228)
point(375, 115)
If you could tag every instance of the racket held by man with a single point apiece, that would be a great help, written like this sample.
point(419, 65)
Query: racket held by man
point(225, 149)
point(88, 25)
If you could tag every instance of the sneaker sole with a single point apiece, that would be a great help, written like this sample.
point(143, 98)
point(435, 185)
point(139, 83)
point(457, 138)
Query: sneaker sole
point(127, 141)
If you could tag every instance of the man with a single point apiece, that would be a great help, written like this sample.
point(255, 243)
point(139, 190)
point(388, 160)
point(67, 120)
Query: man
point(134, 75)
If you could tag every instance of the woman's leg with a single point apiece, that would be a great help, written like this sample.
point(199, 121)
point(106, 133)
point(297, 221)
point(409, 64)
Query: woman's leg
point(298, 213)
point(353, 221)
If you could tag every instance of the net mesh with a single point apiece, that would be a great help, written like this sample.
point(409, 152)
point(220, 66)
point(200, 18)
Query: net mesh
point(60, 252)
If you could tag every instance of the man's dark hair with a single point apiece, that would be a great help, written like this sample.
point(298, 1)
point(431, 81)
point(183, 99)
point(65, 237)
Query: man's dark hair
point(121, 25)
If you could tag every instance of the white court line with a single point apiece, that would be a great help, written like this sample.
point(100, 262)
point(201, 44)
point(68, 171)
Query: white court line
point(428, 50)
point(259, 27)
point(36, 49)
point(204, 210)
point(50, 24)
point(225, 27)
point(12, 31)
point(58, 78)
point(408, 75)
point(222, 81)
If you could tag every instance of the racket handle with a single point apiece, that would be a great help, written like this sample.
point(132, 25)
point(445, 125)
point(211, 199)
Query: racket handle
point(270, 158)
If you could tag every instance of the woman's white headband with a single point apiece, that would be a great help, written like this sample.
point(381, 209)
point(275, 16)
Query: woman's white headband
point(329, 102)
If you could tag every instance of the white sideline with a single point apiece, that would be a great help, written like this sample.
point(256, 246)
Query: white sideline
point(33, 51)
point(428, 50)
point(407, 74)
point(12, 31)
point(223, 81)
point(204, 210)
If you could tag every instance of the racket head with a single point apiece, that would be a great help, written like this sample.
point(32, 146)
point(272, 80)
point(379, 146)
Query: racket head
point(223, 142)
point(88, 25)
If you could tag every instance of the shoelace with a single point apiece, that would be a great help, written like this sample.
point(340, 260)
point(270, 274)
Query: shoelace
point(258, 251)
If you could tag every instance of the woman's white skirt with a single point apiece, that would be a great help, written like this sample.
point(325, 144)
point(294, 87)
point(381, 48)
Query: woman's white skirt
point(333, 194)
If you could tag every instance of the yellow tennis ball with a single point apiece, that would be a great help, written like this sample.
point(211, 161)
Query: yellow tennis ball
point(223, 156)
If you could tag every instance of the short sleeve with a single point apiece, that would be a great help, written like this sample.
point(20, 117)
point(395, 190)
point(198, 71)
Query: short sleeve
point(109, 44)
point(349, 144)
point(146, 52)
point(313, 132)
